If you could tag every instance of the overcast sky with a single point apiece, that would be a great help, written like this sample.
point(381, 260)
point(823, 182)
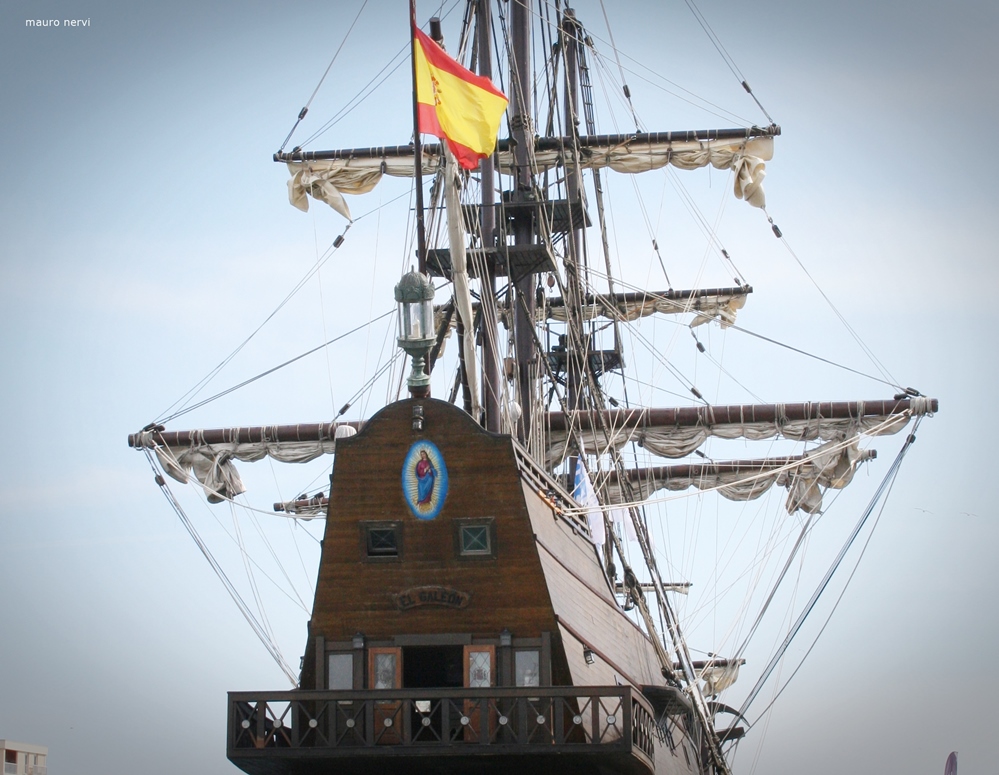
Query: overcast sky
point(144, 232)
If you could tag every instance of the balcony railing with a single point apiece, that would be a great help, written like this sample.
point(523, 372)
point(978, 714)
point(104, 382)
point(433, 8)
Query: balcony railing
point(556, 720)
point(9, 768)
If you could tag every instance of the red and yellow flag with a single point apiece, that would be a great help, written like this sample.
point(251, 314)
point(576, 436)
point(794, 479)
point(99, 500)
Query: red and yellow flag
point(455, 104)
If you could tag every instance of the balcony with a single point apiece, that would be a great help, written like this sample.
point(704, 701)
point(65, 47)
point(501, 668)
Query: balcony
point(536, 729)
point(10, 768)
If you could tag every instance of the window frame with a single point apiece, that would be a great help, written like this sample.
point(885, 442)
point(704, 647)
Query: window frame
point(366, 527)
point(487, 522)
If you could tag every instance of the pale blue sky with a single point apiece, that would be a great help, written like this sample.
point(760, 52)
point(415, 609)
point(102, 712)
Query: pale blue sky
point(144, 232)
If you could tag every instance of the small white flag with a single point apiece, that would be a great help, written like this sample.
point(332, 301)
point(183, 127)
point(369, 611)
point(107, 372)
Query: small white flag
point(584, 495)
point(622, 521)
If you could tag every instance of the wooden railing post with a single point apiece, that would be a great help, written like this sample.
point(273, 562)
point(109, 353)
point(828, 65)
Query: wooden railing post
point(369, 723)
point(627, 712)
point(260, 739)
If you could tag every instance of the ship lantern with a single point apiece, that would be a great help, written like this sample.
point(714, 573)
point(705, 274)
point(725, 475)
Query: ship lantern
point(415, 296)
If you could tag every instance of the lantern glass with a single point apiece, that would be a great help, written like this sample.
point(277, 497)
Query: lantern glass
point(416, 320)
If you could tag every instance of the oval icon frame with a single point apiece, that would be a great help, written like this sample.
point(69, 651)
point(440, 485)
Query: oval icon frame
point(424, 480)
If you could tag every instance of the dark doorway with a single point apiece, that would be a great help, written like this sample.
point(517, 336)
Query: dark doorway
point(432, 667)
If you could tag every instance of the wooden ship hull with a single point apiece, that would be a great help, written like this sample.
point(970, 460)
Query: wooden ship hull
point(484, 638)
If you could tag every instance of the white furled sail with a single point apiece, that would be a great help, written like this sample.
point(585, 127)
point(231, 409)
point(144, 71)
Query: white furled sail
point(328, 180)
point(830, 465)
point(720, 306)
point(676, 433)
point(208, 454)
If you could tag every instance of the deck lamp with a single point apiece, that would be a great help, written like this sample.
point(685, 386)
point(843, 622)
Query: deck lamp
point(415, 296)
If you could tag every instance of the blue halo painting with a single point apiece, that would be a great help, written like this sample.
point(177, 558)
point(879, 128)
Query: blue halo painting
point(424, 480)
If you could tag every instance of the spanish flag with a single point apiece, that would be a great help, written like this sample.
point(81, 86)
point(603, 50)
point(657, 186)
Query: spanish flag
point(455, 104)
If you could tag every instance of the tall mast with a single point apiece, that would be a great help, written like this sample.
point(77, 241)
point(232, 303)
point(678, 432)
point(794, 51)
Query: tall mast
point(490, 356)
point(522, 129)
point(421, 239)
point(575, 358)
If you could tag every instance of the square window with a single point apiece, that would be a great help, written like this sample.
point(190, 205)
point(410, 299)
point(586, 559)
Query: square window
point(475, 537)
point(381, 540)
point(475, 540)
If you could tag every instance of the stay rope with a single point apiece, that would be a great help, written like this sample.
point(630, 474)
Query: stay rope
point(883, 490)
point(272, 648)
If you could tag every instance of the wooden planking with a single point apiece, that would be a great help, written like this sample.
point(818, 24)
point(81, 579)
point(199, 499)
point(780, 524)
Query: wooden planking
point(605, 629)
point(354, 595)
point(522, 589)
point(571, 546)
point(582, 599)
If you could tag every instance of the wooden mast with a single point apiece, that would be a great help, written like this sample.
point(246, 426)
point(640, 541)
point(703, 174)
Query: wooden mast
point(491, 385)
point(421, 238)
point(522, 131)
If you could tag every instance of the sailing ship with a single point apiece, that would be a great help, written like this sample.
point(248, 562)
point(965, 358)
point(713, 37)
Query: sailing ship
point(488, 594)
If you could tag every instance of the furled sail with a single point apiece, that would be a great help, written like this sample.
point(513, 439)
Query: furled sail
point(705, 304)
point(830, 465)
point(208, 454)
point(327, 175)
point(676, 433)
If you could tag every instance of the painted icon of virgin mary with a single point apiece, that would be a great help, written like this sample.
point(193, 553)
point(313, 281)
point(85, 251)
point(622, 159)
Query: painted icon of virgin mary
point(425, 477)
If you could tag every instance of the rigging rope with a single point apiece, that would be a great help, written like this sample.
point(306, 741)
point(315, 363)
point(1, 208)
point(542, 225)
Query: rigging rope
point(807, 354)
point(280, 366)
point(883, 489)
point(303, 111)
point(617, 58)
point(258, 629)
point(190, 394)
point(296, 599)
point(863, 346)
point(694, 100)
point(726, 57)
point(835, 605)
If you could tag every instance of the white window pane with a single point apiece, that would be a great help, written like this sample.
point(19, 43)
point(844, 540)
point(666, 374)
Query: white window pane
point(480, 669)
point(384, 671)
point(527, 668)
point(341, 671)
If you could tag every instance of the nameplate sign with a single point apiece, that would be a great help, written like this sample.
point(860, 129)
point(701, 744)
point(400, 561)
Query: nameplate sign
point(444, 597)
